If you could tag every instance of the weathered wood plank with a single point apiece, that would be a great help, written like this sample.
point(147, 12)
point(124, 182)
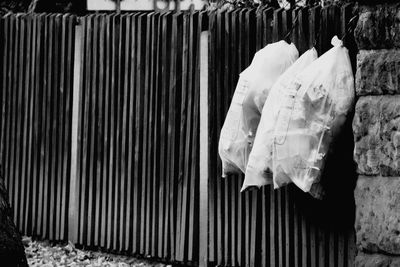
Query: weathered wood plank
point(20, 109)
point(194, 175)
point(145, 222)
point(175, 111)
point(182, 137)
point(157, 85)
point(118, 105)
point(131, 131)
point(224, 58)
point(60, 124)
point(111, 168)
point(212, 137)
point(219, 99)
point(3, 95)
point(31, 196)
point(125, 39)
point(26, 126)
point(99, 161)
point(187, 85)
point(107, 137)
point(93, 131)
point(85, 133)
point(204, 153)
point(139, 134)
point(48, 129)
point(76, 137)
point(7, 66)
point(65, 88)
point(143, 48)
point(54, 129)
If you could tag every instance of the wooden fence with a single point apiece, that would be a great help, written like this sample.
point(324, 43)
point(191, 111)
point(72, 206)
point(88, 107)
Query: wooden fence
point(36, 120)
point(138, 142)
point(100, 137)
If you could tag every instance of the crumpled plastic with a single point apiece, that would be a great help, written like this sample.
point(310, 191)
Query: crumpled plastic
point(308, 123)
point(241, 122)
point(259, 168)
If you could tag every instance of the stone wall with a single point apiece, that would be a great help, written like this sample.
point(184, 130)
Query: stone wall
point(376, 128)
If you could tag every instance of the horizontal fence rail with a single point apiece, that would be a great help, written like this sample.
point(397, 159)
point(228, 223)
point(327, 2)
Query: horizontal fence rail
point(269, 227)
point(132, 183)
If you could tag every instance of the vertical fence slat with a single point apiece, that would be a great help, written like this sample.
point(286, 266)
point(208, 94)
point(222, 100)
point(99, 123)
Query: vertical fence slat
point(61, 183)
point(204, 155)
point(130, 133)
point(106, 143)
point(4, 95)
point(159, 199)
point(111, 166)
point(3, 82)
point(146, 203)
point(76, 127)
point(86, 119)
point(118, 106)
point(234, 186)
point(219, 88)
point(19, 118)
point(25, 125)
point(91, 145)
point(11, 135)
point(30, 150)
point(176, 137)
point(212, 137)
point(182, 136)
point(68, 124)
point(172, 108)
point(126, 137)
point(54, 132)
point(225, 27)
point(99, 160)
point(158, 26)
point(47, 212)
point(186, 140)
point(195, 179)
point(123, 96)
point(139, 135)
point(41, 111)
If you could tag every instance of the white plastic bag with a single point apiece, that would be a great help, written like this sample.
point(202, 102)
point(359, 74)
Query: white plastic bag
point(259, 168)
point(308, 124)
point(241, 122)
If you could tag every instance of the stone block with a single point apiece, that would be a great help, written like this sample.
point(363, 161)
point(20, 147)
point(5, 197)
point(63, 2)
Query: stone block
point(378, 72)
point(376, 260)
point(376, 132)
point(378, 26)
point(377, 222)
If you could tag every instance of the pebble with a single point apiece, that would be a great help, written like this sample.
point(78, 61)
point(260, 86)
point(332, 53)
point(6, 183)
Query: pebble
point(42, 253)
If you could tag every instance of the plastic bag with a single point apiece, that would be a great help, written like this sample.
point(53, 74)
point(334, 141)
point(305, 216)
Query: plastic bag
point(259, 167)
point(308, 123)
point(241, 122)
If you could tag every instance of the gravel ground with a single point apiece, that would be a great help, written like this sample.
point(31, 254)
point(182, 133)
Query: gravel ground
point(42, 253)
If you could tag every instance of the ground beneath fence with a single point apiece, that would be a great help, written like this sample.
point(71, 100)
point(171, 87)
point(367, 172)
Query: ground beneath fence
point(42, 253)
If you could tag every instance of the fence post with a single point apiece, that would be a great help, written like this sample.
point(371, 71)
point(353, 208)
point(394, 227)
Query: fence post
point(74, 186)
point(203, 246)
